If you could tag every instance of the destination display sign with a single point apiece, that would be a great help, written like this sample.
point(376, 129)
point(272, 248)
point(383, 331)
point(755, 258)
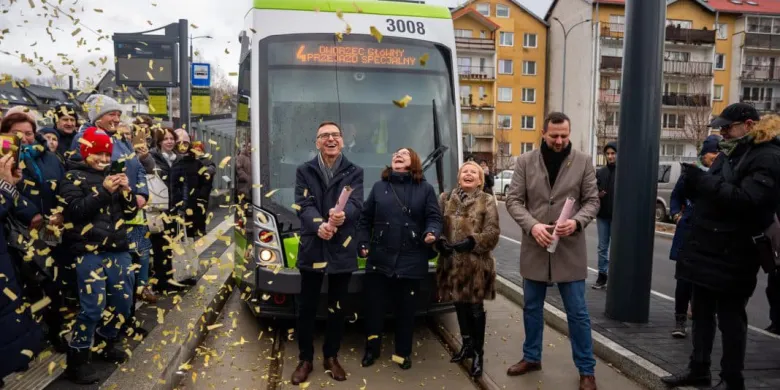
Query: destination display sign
point(353, 54)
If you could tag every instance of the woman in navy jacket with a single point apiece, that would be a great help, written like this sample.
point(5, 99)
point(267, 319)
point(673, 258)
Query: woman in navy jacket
point(399, 222)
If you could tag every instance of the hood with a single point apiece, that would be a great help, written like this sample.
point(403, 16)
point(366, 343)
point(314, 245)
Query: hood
point(610, 145)
point(766, 130)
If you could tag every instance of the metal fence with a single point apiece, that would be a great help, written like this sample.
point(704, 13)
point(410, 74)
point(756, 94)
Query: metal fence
point(219, 144)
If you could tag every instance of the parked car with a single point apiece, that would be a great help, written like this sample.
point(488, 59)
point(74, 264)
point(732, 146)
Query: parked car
point(668, 174)
point(503, 179)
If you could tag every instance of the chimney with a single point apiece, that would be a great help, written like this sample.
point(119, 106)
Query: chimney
point(70, 83)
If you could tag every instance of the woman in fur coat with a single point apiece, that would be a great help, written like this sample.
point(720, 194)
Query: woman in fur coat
point(466, 270)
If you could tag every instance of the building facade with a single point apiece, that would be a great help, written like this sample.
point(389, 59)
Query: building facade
point(501, 49)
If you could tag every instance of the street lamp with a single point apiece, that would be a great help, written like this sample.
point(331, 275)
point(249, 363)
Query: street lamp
point(565, 37)
point(198, 37)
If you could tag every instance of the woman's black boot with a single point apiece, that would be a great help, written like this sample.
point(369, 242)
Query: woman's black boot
point(478, 334)
point(464, 322)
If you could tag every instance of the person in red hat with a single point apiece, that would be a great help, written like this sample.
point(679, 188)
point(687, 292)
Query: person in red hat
point(98, 202)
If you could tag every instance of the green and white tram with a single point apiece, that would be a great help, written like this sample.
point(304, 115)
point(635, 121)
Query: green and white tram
point(356, 63)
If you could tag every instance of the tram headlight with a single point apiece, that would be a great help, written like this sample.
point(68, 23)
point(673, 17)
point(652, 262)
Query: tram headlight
point(266, 255)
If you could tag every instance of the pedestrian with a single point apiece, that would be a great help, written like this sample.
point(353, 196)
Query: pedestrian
point(735, 203)
point(66, 122)
point(489, 180)
point(681, 208)
point(535, 202)
point(326, 247)
point(605, 181)
point(773, 297)
point(466, 271)
point(198, 173)
point(399, 223)
point(98, 204)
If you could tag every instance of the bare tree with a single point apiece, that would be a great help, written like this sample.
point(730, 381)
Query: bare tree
point(56, 81)
point(697, 110)
point(224, 94)
point(502, 158)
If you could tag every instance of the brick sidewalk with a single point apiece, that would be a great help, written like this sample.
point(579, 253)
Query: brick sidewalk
point(653, 341)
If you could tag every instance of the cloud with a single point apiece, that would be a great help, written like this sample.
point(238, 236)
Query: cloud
point(29, 32)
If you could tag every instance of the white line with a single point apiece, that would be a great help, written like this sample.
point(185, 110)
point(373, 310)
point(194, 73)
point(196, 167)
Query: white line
point(664, 296)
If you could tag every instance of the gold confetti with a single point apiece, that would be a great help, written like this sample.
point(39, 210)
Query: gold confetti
point(28, 353)
point(149, 74)
point(87, 228)
point(347, 241)
point(403, 102)
point(76, 32)
point(270, 193)
point(37, 306)
point(372, 337)
point(398, 359)
point(212, 327)
point(339, 36)
point(52, 366)
point(10, 294)
point(296, 207)
point(98, 10)
point(376, 34)
point(224, 162)
point(424, 59)
point(320, 265)
point(193, 25)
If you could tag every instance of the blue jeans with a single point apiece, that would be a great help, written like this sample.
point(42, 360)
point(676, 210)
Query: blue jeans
point(112, 288)
point(142, 278)
point(573, 295)
point(605, 234)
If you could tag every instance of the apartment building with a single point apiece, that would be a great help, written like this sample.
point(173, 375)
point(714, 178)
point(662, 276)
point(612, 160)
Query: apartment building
point(501, 48)
point(716, 52)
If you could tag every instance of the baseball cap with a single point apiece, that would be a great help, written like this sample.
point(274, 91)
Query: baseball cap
point(737, 112)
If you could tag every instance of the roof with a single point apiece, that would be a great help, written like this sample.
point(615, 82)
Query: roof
point(515, 2)
point(47, 93)
point(727, 6)
point(357, 6)
point(14, 95)
point(469, 11)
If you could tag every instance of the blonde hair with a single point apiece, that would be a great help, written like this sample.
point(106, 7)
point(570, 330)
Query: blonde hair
point(766, 129)
point(479, 170)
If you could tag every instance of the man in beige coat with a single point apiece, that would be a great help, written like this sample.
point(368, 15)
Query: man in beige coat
point(542, 181)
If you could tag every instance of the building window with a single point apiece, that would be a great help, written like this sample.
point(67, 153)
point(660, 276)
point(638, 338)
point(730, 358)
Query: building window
point(506, 38)
point(679, 23)
point(682, 56)
point(504, 94)
point(720, 61)
point(670, 150)
point(459, 33)
point(717, 93)
point(484, 9)
point(505, 66)
point(502, 11)
point(528, 122)
point(529, 95)
point(529, 40)
point(617, 19)
point(673, 121)
point(505, 148)
point(505, 121)
point(612, 119)
point(675, 88)
point(526, 147)
point(722, 30)
point(482, 34)
point(529, 68)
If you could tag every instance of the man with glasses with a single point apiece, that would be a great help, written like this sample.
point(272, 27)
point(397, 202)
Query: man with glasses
point(735, 203)
point(326, 246)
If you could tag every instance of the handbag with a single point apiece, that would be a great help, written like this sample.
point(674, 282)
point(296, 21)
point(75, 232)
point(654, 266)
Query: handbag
point(185, 262)
point(158, 203)
point(34, 267)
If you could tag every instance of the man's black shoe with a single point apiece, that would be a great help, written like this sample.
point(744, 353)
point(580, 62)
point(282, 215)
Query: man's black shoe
point(601, 282)
point(688, 378)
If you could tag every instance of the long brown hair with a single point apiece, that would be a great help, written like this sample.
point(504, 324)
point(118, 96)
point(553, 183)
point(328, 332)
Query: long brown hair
point(415, 167)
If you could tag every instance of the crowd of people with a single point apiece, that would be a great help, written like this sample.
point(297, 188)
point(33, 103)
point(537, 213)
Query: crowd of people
point(80, 242)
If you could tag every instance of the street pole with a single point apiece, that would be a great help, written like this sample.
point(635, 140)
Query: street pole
point(565, 38)
point(633, 222)
point(184, 76)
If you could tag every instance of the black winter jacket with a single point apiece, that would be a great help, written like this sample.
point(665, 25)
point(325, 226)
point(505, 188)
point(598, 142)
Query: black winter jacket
point(314, 200)
point(396, 239)
point(731, 207)
point(89, 203)
point(171, 175)
point(198, 176)
point(605, 181)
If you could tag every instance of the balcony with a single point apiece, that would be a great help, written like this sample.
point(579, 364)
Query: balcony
point(479, 129)
point(673, 34)
point(609, 95)
point(682, 99)
point(476, 44)
point(760, 73)
point(674, 134)
point(611, 63)
point(763, 105)
point(476, 72)
point(468, 103)
point(687, 68)
point(762, 41)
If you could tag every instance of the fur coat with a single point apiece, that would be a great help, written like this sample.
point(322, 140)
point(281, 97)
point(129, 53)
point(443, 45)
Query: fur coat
point(470, 276)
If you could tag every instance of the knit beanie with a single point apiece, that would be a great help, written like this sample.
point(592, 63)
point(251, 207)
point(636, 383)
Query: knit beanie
point(95, 141)
point(182, 135)
point(49, 130)
point(30, 112)
point(99, 105)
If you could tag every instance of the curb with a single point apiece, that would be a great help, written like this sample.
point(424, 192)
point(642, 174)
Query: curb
point(155, 363)
point(484, 382)
point(628, 363)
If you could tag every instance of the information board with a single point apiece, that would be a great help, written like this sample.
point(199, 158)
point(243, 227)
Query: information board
point(145, 62)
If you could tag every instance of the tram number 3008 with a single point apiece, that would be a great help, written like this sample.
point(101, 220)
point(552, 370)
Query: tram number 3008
point(405, 26)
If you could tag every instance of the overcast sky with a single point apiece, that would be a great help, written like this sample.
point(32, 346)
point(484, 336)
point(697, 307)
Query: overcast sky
point(27, 21)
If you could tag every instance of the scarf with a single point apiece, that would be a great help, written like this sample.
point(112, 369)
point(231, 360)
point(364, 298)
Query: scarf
point(701, 166)
point(553, 161)
point(328, 173)
point(29, 154)
point(169, 157)
point(728, 146)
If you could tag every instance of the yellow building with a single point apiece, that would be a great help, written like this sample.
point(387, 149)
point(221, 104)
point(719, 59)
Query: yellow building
point(501, 48)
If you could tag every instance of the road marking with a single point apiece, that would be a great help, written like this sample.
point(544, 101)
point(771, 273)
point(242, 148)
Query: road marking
point(662, 295)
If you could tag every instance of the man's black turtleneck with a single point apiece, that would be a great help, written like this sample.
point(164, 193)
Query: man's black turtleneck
point(554, 160)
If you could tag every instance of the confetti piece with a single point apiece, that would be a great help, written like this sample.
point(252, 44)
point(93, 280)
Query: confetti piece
point(304, 385)
point(37, 306)
point(52, 366)
point(424, 59)
point(10, 294)
point(28, 353)
point(212, 327)
point(403, 102)
point(320, 265)
point(376, 34)
point(98, 10)
point(296, 207)
point(398, 359)
point(87, 228)
point(149, 74)
point(76, 32)
point(224, 162)
point(372, 337)
point(347, 241)
point(339, 36)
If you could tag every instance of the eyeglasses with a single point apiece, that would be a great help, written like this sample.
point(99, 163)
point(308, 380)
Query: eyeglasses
point(401, 153)
point(729, 126)
point(328, 135)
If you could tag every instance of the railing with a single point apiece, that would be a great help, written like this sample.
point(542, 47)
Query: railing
point(610, 62)
point(478, 129)
point(609, 95)
point(674, 134)
point(760, 72)
point(476, 72)
point(686, 99)
point(475, 44)
point(468, 102)
point(688, 68)
point(673, 34)
point(608, 131)
point(762, 41)
point(764, 105)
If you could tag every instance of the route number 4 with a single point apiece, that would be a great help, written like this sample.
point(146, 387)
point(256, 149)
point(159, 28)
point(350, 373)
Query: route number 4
point(405, 26)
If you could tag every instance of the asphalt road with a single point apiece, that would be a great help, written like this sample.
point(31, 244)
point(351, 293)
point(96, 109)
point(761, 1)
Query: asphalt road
point(663, 269)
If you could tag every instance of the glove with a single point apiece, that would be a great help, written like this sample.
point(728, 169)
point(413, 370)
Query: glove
point(443, 247)
point(466, 245)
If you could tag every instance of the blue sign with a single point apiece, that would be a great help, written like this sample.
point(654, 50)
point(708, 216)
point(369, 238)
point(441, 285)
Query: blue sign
point(200, 75)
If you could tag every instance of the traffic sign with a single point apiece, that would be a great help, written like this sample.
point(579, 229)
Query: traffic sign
point(201, 75)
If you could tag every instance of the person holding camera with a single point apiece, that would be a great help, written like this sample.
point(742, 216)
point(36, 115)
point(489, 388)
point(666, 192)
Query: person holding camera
point(735, 202)
point(466, 271)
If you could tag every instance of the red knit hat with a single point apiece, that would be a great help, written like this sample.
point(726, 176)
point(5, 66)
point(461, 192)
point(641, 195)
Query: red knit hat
point(95, 141)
